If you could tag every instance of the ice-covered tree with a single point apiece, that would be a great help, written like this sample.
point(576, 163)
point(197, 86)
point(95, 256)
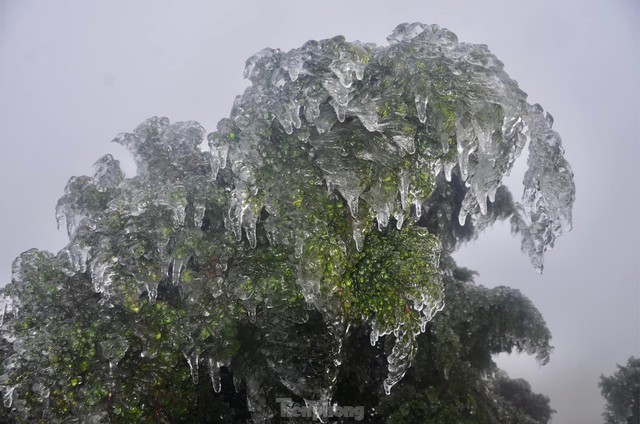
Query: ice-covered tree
point(328, 202)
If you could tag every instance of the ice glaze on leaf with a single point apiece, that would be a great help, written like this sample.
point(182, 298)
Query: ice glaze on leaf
point(299, 221)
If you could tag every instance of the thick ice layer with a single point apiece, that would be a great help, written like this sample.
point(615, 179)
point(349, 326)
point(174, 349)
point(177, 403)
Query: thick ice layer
point(549, 191)
point(293, 224)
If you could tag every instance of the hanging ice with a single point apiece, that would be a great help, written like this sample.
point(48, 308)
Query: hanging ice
point(549, 189)
point(282, 226)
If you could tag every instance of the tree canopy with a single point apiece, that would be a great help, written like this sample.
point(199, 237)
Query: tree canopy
point(322, 214)
point(622, 393)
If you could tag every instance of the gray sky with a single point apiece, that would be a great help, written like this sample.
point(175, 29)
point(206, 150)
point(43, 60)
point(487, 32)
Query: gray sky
point(74, 74)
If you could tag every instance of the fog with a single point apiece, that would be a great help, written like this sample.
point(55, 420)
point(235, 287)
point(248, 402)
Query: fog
point(74, 74)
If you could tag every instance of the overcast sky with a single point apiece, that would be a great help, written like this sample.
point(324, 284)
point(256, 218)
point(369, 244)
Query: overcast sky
point(75, 74)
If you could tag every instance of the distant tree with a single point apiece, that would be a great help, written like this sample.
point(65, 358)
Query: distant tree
point(320, 222)
point(622, 393)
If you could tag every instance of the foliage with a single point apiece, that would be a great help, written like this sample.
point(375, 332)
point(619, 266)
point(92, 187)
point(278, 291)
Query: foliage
point(622, 393)
point(325, 209)
point(454, 378)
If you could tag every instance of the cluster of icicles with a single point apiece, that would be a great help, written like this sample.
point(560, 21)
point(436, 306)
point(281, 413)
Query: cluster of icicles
point(375, 126)
point(460, 94)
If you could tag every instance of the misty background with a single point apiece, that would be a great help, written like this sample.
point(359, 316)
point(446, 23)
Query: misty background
point(75, 74)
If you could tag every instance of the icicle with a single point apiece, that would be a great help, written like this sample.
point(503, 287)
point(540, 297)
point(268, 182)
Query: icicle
point(444, 142)
point(492, 194)
point(467, 143)
point(448, 167)
point(337, 90)
point(481, 198)
point(320, 408)
point(218, 153)
point(352, 201)
point(374, 336)
point(329, 186)
point(178, 264)
point(8, 396)
point(214, 373)
point(343, 69)
point(421, 107)
point(399, 216)
point(198, 215)
point(78, 257)
point(294, 111)
point(5, 305)
point(417, 204)
point(216, 289)
point(340, 110)
point(102, 274)
point(223, 152)
point(549, 190)
point(312, 109)
point(358, 235)
point(176, 271)
point(402, 354)
point(294, 64)
point(382, 219)
point(309, 284)
point(250, 230)
point(325, 121)
point(152, 291)
point(251, 311)
point(359, 69)
point(403, 188)
point(369, 119)
point(430, 307)
point(165, 264)
point(179, 215)
point(192, 360)
point(462, 217)
point(286, 121)
point(61, 218)
point(214, 160)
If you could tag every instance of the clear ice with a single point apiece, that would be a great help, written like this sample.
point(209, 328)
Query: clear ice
point(324, 158)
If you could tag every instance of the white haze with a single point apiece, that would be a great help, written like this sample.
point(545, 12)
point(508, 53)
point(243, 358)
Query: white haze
point(74, 74)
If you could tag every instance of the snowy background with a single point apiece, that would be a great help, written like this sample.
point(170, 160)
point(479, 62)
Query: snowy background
point(74, 74)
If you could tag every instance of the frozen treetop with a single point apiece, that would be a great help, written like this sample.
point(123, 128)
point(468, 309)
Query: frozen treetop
point(305, 205)
point(379, 122)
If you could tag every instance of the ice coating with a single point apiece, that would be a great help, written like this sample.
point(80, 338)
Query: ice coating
point(549, 191)
point(425, 85)
point(299, 221)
